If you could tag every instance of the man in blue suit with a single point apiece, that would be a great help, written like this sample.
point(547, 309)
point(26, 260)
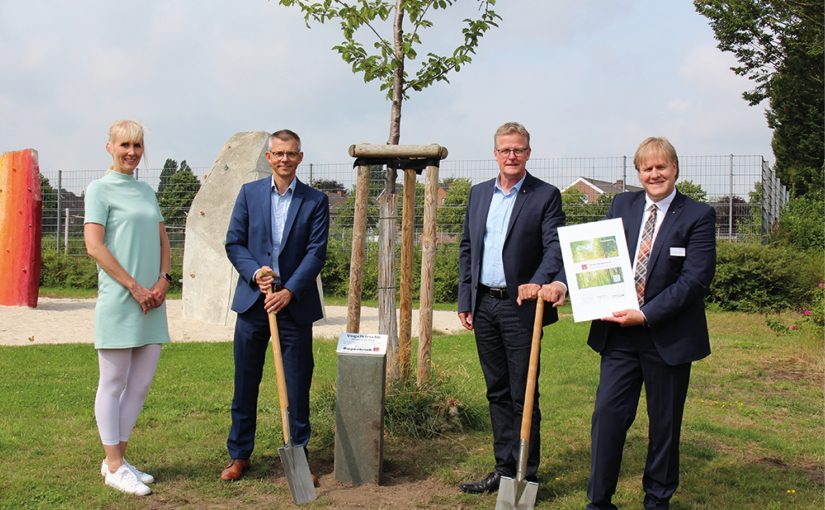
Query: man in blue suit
point(672, 242)
point(509, 248)
point(280, 225)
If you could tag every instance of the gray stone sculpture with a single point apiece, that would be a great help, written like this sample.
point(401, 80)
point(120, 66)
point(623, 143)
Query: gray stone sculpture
point(208, 277)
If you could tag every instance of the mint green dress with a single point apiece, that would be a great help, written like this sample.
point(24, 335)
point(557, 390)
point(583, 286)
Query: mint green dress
point(128, 210)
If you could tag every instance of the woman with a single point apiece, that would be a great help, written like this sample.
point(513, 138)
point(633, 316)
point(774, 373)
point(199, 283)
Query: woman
point(125, 234)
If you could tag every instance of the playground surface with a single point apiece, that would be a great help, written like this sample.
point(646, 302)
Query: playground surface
point(63, 321)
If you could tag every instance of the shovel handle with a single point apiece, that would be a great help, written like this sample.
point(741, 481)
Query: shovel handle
point(283, 398)
point(532, 373)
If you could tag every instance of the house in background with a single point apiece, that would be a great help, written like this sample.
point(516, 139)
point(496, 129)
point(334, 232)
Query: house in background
point(592, 189)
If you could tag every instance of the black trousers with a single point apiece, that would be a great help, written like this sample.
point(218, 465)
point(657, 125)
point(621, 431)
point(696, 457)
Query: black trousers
point(504, 352)
point(629, 361)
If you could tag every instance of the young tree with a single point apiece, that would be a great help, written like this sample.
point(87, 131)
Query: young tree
point(395, 28)
point(779, 44)
point(395, 44)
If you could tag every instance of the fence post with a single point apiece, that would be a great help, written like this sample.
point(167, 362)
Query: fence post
point(57, 211)
point(66, 231)
point(730, 201)
point(624, 174)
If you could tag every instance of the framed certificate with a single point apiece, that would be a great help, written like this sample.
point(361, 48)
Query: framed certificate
point(599, 275)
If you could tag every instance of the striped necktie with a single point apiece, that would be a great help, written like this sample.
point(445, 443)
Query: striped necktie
point(643, 255)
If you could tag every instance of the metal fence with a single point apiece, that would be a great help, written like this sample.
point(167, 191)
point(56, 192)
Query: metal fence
point(744, 190)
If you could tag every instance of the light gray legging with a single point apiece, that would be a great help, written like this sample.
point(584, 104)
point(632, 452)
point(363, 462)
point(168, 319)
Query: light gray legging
point(125, 377)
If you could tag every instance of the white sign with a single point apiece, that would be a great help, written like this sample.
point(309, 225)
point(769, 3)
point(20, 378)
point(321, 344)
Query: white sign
point(357, 343)
point(597, 264)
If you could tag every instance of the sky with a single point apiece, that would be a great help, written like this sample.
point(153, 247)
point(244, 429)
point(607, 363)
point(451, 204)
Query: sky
point(588, 78)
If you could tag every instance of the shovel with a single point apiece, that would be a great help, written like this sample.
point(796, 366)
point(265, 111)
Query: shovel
point(519, 494)
point(293, 458)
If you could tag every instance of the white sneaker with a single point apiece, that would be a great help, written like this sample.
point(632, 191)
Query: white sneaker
point(145, 478)
point(125, 481)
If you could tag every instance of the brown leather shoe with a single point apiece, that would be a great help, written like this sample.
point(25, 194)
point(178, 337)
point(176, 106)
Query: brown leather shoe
point(234, 470)
point(315, 481)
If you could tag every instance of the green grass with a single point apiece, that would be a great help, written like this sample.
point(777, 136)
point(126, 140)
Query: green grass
point(752, 436)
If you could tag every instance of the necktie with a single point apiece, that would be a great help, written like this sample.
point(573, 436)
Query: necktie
point(643, 255)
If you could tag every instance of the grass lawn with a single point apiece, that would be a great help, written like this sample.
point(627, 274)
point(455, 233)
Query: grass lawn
point(752, 437)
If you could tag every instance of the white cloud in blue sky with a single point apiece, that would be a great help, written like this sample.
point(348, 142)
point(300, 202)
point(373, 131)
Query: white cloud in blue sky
point(587, 78)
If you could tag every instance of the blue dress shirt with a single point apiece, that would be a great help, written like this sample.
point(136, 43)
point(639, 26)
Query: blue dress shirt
point(279, 209)
point(495, 232)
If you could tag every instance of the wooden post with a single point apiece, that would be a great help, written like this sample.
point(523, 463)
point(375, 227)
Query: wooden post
point(428, 246)
point(359, 245)
point(407, 233)
point(387, 322)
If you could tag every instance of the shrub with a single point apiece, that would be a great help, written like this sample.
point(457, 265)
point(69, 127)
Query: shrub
point(756, 278)
point(74, 271)
point(802, 223)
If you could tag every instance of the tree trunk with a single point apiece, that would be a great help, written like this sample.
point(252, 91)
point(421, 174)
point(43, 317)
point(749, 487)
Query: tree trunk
point(387, 323)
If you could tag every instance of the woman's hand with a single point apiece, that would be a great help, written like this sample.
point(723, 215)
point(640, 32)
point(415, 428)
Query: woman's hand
point(159, 291)
point(143, 296)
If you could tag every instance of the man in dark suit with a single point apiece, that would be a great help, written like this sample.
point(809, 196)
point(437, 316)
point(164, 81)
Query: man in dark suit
point(509, 248)
point(280, 225)
point(671, 240)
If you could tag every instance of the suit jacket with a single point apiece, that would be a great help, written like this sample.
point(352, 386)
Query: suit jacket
point(679, 272)
point(303, 246)
point(531, 252)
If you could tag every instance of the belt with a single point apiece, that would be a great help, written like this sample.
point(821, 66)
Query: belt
point(496, 292)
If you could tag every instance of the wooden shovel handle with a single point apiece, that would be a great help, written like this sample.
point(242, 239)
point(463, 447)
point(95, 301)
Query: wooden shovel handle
point(283, 398)
point(532, 373)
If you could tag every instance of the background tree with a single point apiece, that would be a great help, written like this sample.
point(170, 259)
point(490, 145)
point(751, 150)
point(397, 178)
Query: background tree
point(177, 196)
point(169, 169)
point(49, 196)
point(779, 44)
point(450, 214)
point(692, 190)
point(328, 185)
point(576, 210)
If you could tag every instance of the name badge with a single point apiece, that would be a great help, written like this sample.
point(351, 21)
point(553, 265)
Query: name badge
point(677, 251)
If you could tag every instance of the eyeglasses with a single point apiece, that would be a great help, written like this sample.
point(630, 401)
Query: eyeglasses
point(516, 152)
point(282, 155)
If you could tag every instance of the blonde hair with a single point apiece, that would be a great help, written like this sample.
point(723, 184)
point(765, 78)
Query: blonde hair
point(509, 128)
point(656, 145)
point(126, 130)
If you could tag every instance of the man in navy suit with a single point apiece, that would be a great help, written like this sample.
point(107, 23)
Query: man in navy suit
point(280, 225)
point(509, 248)
point(674, 264)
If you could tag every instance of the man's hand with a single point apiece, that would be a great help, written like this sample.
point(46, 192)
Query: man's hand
point(277, 301)
point(466, 319)
point(553, 293)
point(264, 278)
point(527, 292)
point(626, 318)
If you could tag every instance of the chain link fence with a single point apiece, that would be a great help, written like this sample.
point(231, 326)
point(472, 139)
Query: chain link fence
point(744, 190)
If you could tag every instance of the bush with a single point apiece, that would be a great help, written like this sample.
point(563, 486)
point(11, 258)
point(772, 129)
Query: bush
point(335, 273)
point(76, 271)
point(756, 278)
point(73, 271)
point(802, 223)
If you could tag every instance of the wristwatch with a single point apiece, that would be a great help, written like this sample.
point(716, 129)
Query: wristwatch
point(166, 276)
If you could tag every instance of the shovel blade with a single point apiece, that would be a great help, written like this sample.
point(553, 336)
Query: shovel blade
point(515, 495)
point(298, 476)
